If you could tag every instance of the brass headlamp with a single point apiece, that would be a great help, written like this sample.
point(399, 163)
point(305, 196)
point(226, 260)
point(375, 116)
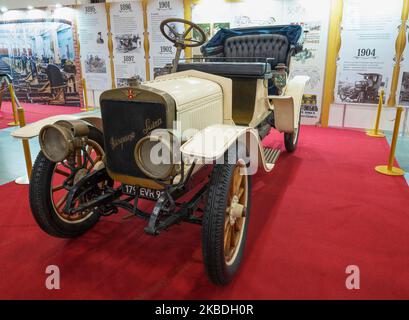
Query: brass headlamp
point(155, 155)
point(61, 139)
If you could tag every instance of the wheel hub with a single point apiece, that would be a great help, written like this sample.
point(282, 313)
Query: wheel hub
point(236, 210)
point(81, 173)
point(99, 165)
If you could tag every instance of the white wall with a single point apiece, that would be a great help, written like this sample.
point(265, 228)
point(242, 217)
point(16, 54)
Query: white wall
point(364, 116)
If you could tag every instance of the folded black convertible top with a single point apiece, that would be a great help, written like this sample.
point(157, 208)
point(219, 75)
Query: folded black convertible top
point(292, 32)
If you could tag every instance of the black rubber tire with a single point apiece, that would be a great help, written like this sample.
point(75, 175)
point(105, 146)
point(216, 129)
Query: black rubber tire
point(289, 141)
point(213, 226)
point(40, 198)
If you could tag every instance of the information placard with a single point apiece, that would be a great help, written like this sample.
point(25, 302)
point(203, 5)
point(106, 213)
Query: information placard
point(402, 95)
point(313, 16)
point(369, 32)
point(162, 51)
point(127, 36)
point(93, 37)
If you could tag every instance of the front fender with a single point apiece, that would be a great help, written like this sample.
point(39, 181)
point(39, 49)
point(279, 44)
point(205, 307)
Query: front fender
point(210, 145)
point(33, 129)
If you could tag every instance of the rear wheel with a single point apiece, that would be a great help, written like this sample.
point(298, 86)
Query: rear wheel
point(225, 221)
point(49, 187)
point(291, 139)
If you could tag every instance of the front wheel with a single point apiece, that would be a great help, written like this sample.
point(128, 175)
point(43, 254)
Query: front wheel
point(50, 183)
point(225, 221)
point(342, 96)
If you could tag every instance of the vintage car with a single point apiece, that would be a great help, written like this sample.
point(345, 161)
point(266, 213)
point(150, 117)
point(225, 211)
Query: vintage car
point(404, 93)
point(363, 91)
point(189, 141)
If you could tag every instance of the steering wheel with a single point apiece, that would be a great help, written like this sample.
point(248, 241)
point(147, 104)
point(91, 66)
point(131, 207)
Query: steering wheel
point(168, 27)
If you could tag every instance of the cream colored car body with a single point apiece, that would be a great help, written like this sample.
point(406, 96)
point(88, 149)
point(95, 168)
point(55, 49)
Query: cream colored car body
point(204, 103)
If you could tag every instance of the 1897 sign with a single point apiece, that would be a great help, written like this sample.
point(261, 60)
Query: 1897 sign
point(129, 59)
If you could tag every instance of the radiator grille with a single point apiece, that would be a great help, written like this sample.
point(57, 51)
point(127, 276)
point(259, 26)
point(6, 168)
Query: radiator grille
point(124, 123)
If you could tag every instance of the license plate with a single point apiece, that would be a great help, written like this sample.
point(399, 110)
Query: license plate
point(146, 193)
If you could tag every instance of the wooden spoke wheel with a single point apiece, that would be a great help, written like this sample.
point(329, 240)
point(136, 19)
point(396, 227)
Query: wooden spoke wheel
point(225, 221)
point(235, 215)
point(85, 162)
point(50, 183)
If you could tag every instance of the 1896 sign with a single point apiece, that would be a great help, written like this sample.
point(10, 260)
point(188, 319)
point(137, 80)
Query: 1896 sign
point(164, 5)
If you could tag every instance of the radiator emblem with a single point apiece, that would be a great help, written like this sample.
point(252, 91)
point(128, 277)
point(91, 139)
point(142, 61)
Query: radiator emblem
point(150, 125)
point(120, 141)
point(131, 94)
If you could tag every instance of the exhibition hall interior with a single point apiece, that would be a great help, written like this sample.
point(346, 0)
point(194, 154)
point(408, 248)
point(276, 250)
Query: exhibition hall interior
point(204, 149)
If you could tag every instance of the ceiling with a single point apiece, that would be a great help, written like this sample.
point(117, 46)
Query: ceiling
point(22, 4)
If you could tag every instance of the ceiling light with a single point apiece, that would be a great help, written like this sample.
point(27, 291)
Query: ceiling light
point(58, 5)
point(3, 9)
point(30, 7)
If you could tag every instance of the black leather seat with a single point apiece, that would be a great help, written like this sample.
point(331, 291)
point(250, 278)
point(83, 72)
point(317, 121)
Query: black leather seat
point(244, 50)
point(257, 70)
point(269, 46)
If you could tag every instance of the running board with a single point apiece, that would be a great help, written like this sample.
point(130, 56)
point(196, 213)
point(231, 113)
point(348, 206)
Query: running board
point(271, 156)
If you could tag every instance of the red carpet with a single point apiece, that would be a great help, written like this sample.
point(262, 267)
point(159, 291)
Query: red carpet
point(322, 209)
point(33, 112)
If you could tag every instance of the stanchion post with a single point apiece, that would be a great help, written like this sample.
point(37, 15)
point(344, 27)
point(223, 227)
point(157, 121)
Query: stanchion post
point(389, 169)
point(84, 88)
point(187, 14)
point(376, 133)
point(26, 145)
point(146, 44)
point(13, 106)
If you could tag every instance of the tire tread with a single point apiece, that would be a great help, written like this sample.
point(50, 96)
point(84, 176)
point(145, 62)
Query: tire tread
point(40, 198)
point(213, 225)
